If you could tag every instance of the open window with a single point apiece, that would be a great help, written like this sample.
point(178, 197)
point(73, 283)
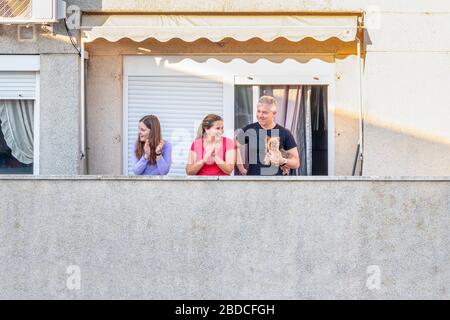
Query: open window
point(16, 136)
point(182, 90)
point(19, 116)
point(300, 108)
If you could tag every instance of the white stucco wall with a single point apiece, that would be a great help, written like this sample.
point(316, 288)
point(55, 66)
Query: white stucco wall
point(406, 80)
point(59, 125)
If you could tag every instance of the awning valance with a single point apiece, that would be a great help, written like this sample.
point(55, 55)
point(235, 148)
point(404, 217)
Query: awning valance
point(217, 27)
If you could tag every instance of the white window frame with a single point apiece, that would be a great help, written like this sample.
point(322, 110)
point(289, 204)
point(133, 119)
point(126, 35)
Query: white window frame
point(234, 71)
point(325, 80)
point(28, 63)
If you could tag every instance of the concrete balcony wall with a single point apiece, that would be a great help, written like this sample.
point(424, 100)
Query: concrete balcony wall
point(176, 238)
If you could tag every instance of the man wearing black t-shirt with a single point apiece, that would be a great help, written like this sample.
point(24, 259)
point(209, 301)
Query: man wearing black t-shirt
point(253, 153)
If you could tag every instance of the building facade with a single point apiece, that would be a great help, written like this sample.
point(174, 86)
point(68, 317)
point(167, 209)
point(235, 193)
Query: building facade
point(373, 75)
point(354, 80)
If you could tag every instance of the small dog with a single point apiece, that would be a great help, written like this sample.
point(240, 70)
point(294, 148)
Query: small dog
point(273, 145)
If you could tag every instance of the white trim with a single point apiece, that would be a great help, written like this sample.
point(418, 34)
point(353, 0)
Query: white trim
point(256, 92)
point(20, 63)
point(228, 113)
point(282, 80)
point(331, 126)
point(82, 156)
point(37, 126)
point(125, 120)
point(231, 66)
point(301, 80)
point(361, 107)
point(28, 63)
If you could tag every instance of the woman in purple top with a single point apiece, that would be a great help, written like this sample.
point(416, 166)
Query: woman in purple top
point(152, 155)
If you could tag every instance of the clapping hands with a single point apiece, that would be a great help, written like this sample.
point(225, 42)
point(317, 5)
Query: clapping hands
point(148, 149)
point(211, 150)
point(159, 147)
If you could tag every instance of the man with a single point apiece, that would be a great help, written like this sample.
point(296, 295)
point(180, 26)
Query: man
point(252, 141)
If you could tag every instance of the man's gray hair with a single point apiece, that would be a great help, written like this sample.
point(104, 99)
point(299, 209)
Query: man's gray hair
point(269, 101)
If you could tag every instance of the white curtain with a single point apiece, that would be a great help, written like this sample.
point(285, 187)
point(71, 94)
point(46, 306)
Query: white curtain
point(17, 121)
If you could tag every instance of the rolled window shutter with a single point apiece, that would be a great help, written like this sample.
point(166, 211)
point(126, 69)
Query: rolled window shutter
point(17, 85)
point(180, 103)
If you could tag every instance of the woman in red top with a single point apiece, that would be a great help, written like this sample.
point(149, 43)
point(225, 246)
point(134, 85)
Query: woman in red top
point(211, 153)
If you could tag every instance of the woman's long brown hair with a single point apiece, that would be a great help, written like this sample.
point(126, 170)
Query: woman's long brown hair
point(155, 137)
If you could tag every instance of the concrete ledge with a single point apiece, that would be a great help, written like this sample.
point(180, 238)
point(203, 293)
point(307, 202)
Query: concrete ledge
point(221, 178)
point(177, 238)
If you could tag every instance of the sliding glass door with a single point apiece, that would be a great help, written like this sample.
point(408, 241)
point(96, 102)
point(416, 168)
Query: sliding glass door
point(303, 109)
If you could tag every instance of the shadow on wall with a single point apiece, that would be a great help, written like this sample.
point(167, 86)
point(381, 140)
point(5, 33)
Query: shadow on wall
point(390, 149)
point(400, 151)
